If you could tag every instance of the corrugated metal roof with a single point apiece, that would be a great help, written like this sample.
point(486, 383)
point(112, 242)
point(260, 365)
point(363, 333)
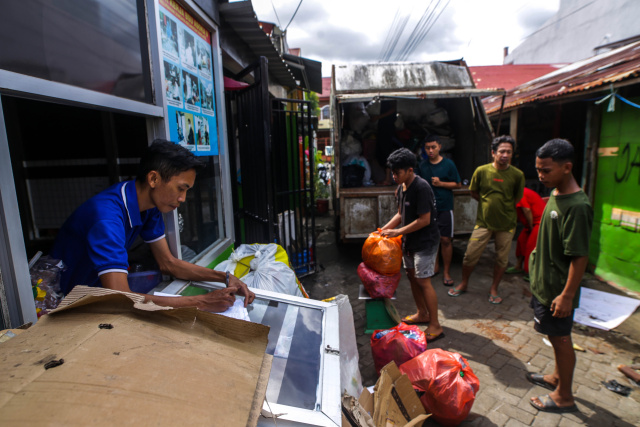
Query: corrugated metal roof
point(588, 75)
point(510, 75)
point(242, 18)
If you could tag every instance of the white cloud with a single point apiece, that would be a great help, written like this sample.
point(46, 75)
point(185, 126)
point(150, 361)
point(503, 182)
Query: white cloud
point(339, 31)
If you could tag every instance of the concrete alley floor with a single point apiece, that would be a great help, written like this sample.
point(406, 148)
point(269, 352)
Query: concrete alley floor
point(498, 340)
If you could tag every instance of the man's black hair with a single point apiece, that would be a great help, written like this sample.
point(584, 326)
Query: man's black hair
point(431, 138)
point(501, 140)
point(402, 158)
point(559, 150)
point(168, 159)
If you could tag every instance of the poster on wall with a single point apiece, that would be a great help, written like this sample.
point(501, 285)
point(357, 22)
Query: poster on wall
point(188, 79)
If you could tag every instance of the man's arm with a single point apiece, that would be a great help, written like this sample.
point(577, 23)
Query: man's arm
point(422, 221)
point(187, 271)
point(215, 301)
point(475, 195)
point(562, 304)
point(528, 216)
point(444, 184)
point(393, 222)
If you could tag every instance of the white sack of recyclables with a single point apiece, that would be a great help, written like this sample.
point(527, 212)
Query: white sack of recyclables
point(236, 311)
point(271, 275)
point(243, 251)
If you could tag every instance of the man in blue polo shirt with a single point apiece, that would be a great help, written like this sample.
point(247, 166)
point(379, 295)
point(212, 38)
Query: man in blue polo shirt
point(94, 240)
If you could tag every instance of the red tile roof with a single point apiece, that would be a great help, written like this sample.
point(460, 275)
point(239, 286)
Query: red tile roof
point(508, 76)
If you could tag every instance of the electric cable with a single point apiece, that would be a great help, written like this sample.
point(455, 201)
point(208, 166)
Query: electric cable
point(274, 11)
point(428, 12)
point(294, 15)
point(387, 40)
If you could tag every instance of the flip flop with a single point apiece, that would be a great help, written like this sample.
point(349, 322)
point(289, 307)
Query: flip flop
point(409, 321)
point(548, 405)
point(435, 337)
point(495, 299)
point(453, 292)
point(538, 379)
point(513, 270)
point(448, 282)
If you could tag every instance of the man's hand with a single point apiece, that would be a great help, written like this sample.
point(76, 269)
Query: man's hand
point(217, 301)
point(561, 306)
point(435, 181)
point(390, 232)
point(242, 289)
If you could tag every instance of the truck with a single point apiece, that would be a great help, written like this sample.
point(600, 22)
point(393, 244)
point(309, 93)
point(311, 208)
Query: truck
point(379, 107)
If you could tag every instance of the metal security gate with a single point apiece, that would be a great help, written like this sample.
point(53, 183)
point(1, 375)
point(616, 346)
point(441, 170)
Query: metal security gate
point(293, 167)
point(249, 154)
point(271, 158)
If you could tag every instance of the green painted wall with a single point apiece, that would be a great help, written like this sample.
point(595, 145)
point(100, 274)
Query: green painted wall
point(615, 241)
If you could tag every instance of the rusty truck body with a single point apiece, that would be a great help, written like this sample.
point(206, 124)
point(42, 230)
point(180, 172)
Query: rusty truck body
point(428, 98)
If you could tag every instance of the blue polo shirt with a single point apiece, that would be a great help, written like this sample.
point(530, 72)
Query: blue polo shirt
point(95, 239)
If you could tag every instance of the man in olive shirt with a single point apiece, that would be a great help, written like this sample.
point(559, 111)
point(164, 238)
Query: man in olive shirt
point(556, 267)
point(497, 187)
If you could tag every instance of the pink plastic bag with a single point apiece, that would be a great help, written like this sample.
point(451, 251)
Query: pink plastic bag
point(378, 285)
point(400, 344)
point(449, 384)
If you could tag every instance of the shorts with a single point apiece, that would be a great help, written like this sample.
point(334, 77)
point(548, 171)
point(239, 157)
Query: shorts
point(445, 223)
point(547, 324)
point(423, 262)
point(478, 242)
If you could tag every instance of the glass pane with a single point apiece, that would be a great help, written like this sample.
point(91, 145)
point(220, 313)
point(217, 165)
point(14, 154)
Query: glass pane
point(200, 217)
point(295, 341)
point(93, 44)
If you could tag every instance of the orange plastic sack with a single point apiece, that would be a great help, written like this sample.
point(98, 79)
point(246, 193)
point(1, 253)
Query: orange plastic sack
point(378, 285)
point(449, 384)
point(383, 254)
point(400, 343)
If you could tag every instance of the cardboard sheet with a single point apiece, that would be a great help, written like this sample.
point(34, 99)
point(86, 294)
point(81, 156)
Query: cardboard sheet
point(155, 366)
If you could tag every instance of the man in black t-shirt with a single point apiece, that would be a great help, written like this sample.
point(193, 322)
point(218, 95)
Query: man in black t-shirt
point(416, 218)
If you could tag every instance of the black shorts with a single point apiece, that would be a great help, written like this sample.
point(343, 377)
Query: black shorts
point(445, 223)
point(549, 325)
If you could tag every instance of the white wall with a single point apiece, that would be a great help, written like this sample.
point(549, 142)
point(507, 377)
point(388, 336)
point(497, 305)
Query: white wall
point(577, 28)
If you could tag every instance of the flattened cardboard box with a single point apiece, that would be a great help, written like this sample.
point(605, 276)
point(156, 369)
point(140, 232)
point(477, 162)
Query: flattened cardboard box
point(155, 366)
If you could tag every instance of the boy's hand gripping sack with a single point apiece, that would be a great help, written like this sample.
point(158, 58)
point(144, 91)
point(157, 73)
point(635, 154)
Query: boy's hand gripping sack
point(378, 285)
point(400, 344)
point(448, 383)
point(383, 254)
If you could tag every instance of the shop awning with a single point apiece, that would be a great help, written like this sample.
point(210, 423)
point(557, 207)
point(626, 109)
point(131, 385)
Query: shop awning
point(307, 71)
point(242, 19)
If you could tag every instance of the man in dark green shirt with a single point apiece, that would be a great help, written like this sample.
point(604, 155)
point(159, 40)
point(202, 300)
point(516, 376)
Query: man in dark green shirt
point(497, 187)
point(556, 269)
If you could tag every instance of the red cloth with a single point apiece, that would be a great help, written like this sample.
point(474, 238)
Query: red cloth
point(529, 237)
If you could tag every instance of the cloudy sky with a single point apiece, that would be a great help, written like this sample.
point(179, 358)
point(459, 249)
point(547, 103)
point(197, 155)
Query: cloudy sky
point(340, 31)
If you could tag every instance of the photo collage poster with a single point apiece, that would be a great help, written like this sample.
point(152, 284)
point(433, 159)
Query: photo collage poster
point(188, 79)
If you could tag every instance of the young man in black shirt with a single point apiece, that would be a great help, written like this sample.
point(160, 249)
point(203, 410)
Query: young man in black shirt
point(416, 218)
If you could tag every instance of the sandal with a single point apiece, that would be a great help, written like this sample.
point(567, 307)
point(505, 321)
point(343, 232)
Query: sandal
point(548, 405)
point(431, 337)
point(538, 379)
point(514, 270)
point(447, 282)
point(495, 299)
point(410, 320)
point(453, 292)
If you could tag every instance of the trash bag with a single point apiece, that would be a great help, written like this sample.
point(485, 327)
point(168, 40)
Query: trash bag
point(378, 285)
point(352, 176)
point(271, 275)
point(449, 384)
point(400, 344)
point(45, 281)
point(383, 254)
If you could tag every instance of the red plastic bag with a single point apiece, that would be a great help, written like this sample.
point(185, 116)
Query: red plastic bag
point(378, 285)
point(400, 343)
point(449, 384)
point(383, 254)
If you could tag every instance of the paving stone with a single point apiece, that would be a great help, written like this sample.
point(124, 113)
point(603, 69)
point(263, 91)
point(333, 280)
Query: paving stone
point(529, 350)
point(503, 397)
point(540, 361)
point(566, 422)
point(497, 361)
point(496, 418)
point(545, 419)
point(516, 413)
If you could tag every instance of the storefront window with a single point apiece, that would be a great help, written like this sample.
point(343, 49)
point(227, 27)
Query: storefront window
point(93, 44)
point(200, 218)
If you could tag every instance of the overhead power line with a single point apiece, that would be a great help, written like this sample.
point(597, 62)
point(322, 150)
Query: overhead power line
point(423, 32)
point(294, 15)
point(274, 11)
